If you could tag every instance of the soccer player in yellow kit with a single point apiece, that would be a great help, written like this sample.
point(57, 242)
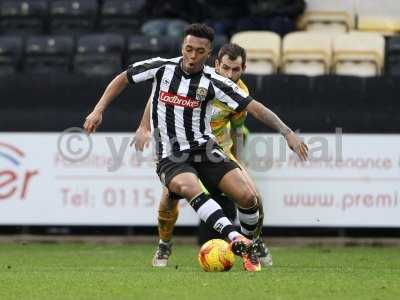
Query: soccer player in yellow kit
point(228, 129)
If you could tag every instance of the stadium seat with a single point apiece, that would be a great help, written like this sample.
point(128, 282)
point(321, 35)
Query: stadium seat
point(263, 50)
point(328, 16)
point(48, 54)
point(23, 16)
point(393, 56)
point(121, 16)
point(99, 54)
point(142, 47)
point(73, 16)
point(10, 54)
point(358, 54)
point(380, 16)
point(306, 53)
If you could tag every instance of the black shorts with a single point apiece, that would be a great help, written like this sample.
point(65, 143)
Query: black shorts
point(209, 164)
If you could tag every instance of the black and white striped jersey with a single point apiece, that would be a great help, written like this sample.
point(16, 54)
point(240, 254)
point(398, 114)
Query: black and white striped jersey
point(181, 102)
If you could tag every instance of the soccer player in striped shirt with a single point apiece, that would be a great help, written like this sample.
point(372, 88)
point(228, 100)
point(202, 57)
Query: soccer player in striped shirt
point(182, 94)
point(228, 128)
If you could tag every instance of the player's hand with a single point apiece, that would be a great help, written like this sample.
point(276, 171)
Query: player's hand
point(141, 139)
point(297, 145)
point(93, 120)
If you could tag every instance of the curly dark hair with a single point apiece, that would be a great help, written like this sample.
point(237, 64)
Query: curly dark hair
point(200, 30)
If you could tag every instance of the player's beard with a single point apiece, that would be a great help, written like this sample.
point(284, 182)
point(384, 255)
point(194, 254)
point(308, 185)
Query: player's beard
point(191, 67)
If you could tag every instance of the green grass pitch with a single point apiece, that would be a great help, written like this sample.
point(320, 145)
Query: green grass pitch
point(92, 271)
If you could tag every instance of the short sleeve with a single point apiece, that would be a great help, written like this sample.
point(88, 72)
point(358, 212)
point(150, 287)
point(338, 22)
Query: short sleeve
point(229, 93)
point(144, 70)
point(237, 119)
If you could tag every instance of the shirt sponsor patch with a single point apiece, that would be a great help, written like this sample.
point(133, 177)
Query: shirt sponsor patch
point(177, 100)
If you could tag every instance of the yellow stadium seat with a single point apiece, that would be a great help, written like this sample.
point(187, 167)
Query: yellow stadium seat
point(335, 16)
point(379, 16)
point(263, 50)
point(307, 53)
point(358, 54)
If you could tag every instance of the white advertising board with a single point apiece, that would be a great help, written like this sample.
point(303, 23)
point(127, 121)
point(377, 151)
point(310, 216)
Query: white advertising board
point(351, 180)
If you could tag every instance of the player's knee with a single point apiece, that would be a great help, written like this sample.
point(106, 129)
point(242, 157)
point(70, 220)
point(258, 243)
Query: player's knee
point(185, 189)
point(248, 199)
point(189, 190)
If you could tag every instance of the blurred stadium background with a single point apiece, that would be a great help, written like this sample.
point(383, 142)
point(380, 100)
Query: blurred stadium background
point(329, 68)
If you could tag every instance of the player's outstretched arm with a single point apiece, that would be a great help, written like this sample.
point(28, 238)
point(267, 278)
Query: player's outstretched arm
point(116, 86)
point(143, 133)
point(269, 118)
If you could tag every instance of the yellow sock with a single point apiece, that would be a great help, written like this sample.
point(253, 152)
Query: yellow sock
point(166, 223)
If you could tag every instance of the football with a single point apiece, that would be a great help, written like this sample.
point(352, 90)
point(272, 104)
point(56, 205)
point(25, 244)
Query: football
point(216, 256)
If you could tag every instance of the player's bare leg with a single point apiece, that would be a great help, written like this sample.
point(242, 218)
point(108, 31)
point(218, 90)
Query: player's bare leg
point(167, 215)
point(237, 187)
point(187, 186)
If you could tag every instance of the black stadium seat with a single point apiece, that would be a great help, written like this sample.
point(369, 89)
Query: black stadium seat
point(121, 16)
point(73, 16)
point(219, 41)
point(10, 54)
point(23, 16)
point(393, 56)
point(99, 54)
point(47, 54)
point(142, 47)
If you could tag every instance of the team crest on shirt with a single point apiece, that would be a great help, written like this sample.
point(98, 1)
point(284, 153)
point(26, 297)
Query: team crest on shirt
point(201, 94)
point(165, 81)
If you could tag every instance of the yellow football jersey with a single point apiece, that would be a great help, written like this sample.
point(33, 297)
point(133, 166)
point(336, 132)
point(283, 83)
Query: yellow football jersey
point(224, 118)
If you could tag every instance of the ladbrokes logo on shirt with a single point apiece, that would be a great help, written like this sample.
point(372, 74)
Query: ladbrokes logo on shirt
point(173, 99)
